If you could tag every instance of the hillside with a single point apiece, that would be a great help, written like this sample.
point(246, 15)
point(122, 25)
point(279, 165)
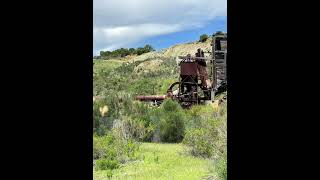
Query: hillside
point(150, 62)
point(133, 140)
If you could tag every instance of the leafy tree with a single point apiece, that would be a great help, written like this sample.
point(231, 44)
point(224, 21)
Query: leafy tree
point(203, 38)
point(219, 32)
point(132, 51)
point(148, 48)
point(140, 51)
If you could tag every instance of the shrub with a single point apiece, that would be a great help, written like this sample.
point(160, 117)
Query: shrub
point(110, 148)
point(200, 141)
point(172, 120)
point(103, 147)
point(130, 148)
point(101, 130)
point(128, 128)
point(104, 164)
point(208, 136)
point(172, 127)
point(203, 38)
point(126, 150)
point(171, 106)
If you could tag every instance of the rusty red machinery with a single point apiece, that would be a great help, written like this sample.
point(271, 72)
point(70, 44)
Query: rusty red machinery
point(201, 78)
point(151, 98)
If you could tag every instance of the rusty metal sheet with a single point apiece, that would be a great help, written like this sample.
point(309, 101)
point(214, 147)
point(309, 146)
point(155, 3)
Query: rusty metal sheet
point(190, 68)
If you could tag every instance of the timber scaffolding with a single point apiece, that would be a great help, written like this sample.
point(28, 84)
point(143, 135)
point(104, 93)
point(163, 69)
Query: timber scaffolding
point(201, 78)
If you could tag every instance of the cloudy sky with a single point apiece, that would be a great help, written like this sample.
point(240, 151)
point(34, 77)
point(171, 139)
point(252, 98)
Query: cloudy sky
point(161, 23)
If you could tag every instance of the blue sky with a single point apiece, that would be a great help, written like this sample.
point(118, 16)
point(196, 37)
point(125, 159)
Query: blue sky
point(134, 23)
point(167, 40)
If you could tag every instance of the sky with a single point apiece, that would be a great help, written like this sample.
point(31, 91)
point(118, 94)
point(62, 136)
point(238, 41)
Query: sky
point(160, 23)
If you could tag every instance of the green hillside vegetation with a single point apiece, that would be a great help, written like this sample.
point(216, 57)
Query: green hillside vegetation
point(122, 52)
point(131, 138)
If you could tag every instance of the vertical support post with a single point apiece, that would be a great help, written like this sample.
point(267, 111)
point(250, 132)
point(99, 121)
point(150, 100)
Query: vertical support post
point(214, 76)
point(212, 94)
point(179, 90)
point(225, 66)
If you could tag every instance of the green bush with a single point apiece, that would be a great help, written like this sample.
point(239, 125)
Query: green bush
point(171, 122)
point(200, 141)
point(103, 147)
point(104, 164)
point(203, 38)
point(128, 128)
point(110, 148)
point(171, 106)
point(101, 130)
point(130, 148)
point(172, 128)
point(126, 150)
point(207, 137)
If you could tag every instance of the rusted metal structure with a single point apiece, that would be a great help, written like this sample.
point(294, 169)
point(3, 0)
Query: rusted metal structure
point(201, 78)
point(151, 98)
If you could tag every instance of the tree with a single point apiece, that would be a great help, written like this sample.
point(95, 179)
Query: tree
point(132, 51)
point(219, 33)
point(148, 48)
point(140, 50)
point(203, 38)
point(122, 52)
point(105, 53)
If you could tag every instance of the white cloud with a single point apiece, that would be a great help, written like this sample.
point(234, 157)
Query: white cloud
point(119, 23)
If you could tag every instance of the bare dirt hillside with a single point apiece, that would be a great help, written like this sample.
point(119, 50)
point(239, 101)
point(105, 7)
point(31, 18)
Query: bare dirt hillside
point(175, 51)
point(156, 58)
point(188, 48)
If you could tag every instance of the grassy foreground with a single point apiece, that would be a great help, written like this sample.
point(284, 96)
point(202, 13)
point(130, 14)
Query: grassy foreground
point(161, 161)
